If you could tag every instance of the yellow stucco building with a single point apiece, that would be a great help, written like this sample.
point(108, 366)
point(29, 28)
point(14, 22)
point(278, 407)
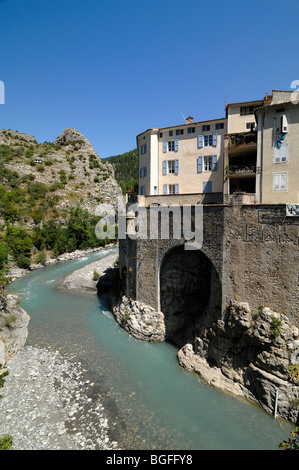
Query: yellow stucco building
point(251, 150)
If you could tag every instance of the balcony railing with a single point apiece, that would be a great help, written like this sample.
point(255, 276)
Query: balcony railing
point(243, 138)
point(242, 169)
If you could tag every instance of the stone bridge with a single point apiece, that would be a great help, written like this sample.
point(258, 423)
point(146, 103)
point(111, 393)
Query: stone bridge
point(231, 306)
point(249, 253)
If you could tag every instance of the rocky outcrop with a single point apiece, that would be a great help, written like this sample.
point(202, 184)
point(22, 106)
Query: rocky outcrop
point(13, 327)
point(252, 354)
point(140, 320)
point(87, 278)
point(69, 165)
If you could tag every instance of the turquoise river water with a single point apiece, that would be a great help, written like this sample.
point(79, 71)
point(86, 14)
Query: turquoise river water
point(151, 402)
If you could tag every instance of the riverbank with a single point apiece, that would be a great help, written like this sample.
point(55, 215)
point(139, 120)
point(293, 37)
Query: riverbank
point(15, 272)
point(47, 404)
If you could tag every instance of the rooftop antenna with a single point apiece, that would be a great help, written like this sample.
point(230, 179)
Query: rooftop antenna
point(182, 114)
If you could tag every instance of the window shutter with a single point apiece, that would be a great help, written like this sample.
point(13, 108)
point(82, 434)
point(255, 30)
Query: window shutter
point(176, 167)
point(165, 146)
point(144, 171)
point(215, 138)
point(199, 164)
point(214, 165)
point(164, 167)
point(207, 186)
point(140, 173)
point(277, 155)
point(276, 182)
point(283, 182)
point(165, 187)
point(177, 188)
point(176, 145)
point(284, 153)
point(200, 141)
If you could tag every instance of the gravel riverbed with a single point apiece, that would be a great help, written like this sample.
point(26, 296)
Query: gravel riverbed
point(47, 404)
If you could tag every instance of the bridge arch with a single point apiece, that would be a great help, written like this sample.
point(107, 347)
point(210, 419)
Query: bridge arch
point(190, 293)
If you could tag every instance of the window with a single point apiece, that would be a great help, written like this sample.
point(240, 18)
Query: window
point(142, 172)
point(250, 125)
point(170, 167)
point(170, 146)
point(179, 132)
point(170, 133)
point(161, 134)
point(281, 153)
point(205, 127)
point(143, 149)
point(142, 190)
point(244, 110)
point(219, 125)
point(280, 181)
point(191, 130)
point(170, 189)
point(207, 163)
point(208, 140)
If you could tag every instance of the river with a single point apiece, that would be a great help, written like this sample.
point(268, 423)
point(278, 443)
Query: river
point(150, 401)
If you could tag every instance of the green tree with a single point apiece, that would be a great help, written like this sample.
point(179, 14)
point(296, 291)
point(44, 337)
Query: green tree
point(19, 241)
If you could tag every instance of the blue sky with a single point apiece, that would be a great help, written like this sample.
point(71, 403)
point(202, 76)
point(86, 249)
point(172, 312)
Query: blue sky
point(116, 68)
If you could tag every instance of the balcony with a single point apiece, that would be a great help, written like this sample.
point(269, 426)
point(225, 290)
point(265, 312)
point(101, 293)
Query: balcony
point(241, 139)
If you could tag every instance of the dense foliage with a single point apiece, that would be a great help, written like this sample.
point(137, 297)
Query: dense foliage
point(126, 169)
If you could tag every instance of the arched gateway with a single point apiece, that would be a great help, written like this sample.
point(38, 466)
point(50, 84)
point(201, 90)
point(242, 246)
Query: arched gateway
point(190, 293)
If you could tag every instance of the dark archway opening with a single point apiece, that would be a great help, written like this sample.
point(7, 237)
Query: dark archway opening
point(190, 294)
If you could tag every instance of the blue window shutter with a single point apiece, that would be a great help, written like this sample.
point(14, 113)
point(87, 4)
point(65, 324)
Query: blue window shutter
point(214, 166)
point(199, 164)
point(140, 173)
point(144, 171)
point(207, 187)
point(215, 138)
point(165, 187)
point(200, 141)
point(176, 145)
point(176, 167)
point(165, 146)
point(177, 188)
point(164, 167)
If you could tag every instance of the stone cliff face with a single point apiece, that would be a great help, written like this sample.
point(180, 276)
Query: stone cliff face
point(251, 354)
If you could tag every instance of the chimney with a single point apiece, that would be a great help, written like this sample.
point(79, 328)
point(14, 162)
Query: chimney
point(189, 120)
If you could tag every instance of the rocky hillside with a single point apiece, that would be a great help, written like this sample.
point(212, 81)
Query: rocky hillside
point(50, 195)
point(69, 167)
